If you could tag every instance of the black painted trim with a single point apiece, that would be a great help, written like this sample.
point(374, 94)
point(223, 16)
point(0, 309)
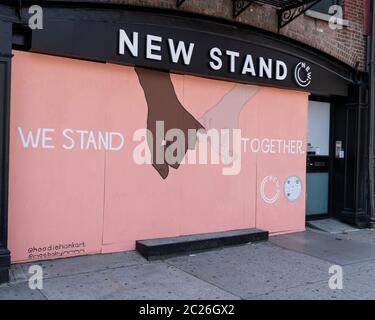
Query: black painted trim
point(315, 217)
point(4, 265)
point(5, 76)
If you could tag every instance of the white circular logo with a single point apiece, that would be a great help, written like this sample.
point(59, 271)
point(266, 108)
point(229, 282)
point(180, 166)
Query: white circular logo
point(274, 187)
point(293, 188)
point(303, 74)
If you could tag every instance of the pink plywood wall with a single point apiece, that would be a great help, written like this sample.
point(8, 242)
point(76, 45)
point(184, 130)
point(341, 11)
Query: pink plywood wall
point(67, 202)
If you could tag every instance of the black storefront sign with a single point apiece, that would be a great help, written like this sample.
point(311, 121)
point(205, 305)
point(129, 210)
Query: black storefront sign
point(185, 51)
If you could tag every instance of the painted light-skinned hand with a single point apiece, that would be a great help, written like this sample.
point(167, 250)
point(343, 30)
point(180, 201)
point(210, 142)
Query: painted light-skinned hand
point(224, 117)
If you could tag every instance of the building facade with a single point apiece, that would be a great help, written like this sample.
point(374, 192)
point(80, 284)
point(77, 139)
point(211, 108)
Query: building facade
point(128, 120)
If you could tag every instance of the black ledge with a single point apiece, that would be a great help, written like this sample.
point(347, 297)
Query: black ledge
point(165, 247)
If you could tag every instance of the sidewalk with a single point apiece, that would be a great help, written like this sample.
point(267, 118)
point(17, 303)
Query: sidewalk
point(287, 267)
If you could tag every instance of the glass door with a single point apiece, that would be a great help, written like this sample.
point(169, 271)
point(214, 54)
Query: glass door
point(317, 179)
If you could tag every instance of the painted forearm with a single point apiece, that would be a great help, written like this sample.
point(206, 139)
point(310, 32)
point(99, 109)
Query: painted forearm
point(157, 86)
point(238, 97)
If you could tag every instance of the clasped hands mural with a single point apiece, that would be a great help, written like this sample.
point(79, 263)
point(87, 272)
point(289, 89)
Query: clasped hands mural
point(111, 192)
point(166, 112)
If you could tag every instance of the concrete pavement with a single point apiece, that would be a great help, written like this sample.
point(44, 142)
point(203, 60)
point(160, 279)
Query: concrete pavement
point(287, 267)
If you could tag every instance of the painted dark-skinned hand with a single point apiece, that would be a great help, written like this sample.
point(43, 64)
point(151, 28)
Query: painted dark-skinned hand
point(165, 113)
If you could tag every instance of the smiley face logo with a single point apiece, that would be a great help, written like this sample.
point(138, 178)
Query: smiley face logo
point(303, 74)
point(293, 188)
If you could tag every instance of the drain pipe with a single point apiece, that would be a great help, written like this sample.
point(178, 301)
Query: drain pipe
point(371, 65)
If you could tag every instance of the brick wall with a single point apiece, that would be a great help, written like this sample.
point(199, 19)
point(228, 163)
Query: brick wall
point(347, 45)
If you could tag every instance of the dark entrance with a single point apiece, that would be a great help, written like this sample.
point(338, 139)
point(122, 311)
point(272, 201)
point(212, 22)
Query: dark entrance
point(349, 146)
point(337, 175)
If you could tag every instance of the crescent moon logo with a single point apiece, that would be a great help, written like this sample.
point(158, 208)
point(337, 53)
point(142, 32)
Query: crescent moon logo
point(303, 74)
